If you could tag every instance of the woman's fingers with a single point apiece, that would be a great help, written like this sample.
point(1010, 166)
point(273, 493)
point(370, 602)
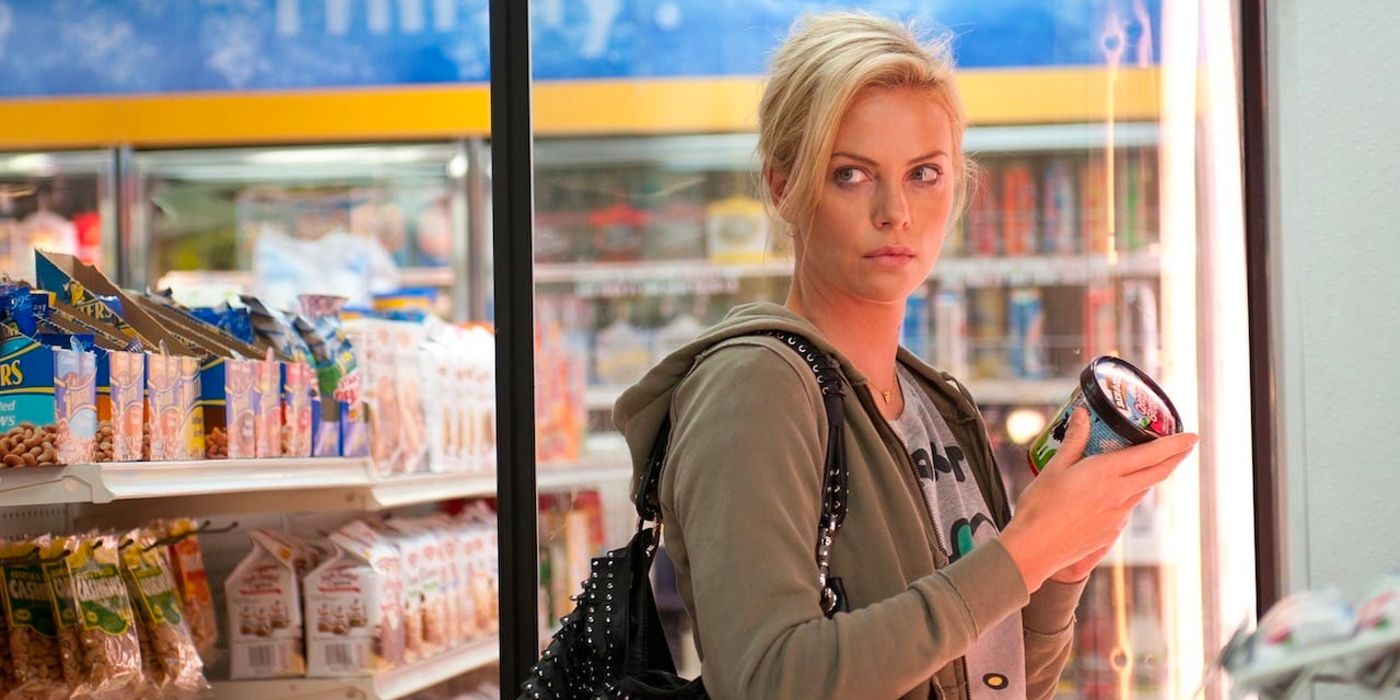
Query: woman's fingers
point(1144, 479)
point(1076, 439)
point(1151, 454)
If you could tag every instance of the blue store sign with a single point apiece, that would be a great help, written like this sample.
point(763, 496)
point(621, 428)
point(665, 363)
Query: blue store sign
point(87, 47)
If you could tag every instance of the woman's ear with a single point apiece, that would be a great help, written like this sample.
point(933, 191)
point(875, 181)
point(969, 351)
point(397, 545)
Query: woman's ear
point(777, 184)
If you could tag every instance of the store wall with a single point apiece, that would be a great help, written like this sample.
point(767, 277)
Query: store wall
point(1335, 98)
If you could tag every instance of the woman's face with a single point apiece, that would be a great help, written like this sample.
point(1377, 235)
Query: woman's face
point(884, 203)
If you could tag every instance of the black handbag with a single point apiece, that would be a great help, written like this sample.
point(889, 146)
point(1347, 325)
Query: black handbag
point(611, 646)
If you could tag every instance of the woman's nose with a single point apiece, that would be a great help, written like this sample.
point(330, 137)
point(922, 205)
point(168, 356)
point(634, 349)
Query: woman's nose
point(892, 209)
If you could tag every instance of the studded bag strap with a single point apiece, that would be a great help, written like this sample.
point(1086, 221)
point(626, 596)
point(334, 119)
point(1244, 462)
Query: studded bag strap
point(835, 477)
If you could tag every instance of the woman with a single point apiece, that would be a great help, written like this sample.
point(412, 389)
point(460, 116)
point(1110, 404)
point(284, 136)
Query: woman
point(860, 135)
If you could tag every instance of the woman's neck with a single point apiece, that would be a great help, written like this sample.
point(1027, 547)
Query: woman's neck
point(866, 333)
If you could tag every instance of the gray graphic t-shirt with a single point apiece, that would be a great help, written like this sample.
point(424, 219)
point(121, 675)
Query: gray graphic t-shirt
point(996, 662)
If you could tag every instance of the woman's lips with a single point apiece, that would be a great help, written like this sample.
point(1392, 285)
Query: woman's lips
point(891, 256)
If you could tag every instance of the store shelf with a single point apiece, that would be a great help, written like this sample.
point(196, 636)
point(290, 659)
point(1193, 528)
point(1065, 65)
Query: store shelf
point(1021, 392)
point(1044, 269)
point(396, 491)
point(710, 152)
point(245, 280)
point(270, 485)
point(569, 478)
point(398, 683)
point(695, 276)
point(614, 272)
point(1032, 392)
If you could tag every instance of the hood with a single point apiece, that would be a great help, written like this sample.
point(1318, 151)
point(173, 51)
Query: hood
point(641, 409)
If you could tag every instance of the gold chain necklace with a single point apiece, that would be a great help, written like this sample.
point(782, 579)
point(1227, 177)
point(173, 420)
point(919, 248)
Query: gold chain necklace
point(888, 396)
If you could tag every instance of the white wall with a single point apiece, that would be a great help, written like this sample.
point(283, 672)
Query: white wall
point(1335, 158)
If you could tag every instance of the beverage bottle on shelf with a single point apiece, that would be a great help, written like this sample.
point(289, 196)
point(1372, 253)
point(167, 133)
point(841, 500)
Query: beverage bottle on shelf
point(621, 350)
point(677, 223)
point(950, 331)
point(987, 322)
point(557, 219)
point(1018, 212)
point(955, 243)
point(1027, 331)
point(678, 328)
point(1059, 235)
point(1131, 212)
point(1140, 340)
point(736, 226)
point(619, 231)
point(983, 216)
point(1148, 639)
point(1094, 202)
point(1100, 322)
point(914, 333)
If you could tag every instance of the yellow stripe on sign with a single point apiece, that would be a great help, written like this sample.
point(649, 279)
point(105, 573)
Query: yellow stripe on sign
point(27, 391)
point(398, 113)
point(662, 106)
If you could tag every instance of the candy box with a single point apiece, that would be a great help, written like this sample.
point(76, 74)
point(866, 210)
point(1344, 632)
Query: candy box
point(48, 404)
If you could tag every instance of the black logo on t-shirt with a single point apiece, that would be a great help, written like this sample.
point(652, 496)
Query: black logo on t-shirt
point(931, 467)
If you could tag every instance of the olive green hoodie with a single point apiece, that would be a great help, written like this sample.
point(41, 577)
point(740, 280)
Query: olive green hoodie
point(740, 499)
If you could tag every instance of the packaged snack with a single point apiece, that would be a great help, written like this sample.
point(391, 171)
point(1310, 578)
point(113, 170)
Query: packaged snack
point(192, 582)
point(264, 610)
point(36, 664)
point(436, 370)
point(407, 355)
point(415, 646)
point(54, 554)
point(374, 340)
point(173, 668)
point(298, 389)
point(353, 618)
point(387, 561)
point(432, 588)
point(267, 408)
point(454, 578)
point(338, 374)
point(48, 404)
point(110, 649)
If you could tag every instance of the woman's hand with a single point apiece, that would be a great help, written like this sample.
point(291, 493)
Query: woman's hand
point(1075, 509)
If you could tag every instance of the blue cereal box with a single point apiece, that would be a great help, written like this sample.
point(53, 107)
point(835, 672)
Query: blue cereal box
point(48, 404)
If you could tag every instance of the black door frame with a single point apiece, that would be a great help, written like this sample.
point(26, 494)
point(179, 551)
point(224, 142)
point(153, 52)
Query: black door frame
point(512, 192)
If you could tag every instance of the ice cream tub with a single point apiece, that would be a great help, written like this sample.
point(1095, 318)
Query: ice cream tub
point(1125, 406)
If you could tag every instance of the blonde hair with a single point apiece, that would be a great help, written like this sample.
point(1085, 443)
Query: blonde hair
point(815, 75)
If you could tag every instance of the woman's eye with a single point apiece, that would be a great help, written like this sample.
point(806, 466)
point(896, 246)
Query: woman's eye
point(927, 173)
point(848, 175)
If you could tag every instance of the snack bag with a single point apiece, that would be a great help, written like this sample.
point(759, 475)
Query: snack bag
point(36, 666)
point(192, 583)
point(54, 555)
point(173, 668)
point(110, 652)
